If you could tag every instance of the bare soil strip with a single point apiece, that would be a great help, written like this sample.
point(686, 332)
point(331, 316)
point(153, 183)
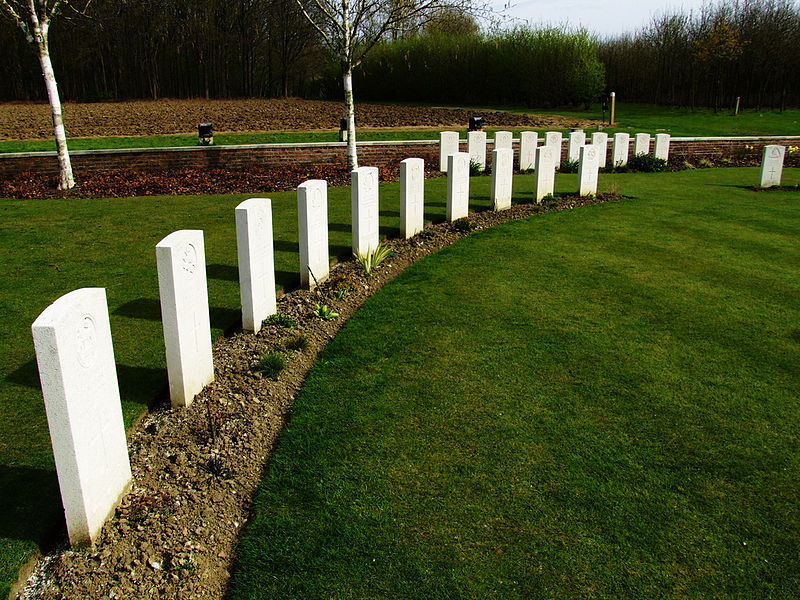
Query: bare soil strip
point(26, 121)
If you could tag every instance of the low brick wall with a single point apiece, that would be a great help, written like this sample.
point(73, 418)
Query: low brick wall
point(266, 156)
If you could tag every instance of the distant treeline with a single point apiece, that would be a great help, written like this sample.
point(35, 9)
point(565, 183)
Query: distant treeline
point(523, 66)
point(234, 48)
point(168, 48)
point(748, 49)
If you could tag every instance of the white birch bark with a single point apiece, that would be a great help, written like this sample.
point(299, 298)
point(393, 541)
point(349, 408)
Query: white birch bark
point(352, 157)
point(65, 179)
point(36, 28)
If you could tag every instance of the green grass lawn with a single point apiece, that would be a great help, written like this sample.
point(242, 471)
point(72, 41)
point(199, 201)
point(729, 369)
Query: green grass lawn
point(599, 403)
point(48, 248)
point(630, 118)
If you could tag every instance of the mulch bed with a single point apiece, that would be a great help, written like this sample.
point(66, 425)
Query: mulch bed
point(196, 469)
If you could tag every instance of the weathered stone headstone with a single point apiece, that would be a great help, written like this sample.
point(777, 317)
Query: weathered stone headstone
point(641, 144)
point(661, 147)
point(577, 140)
point(476, 147)
point(182, 286)
point(256, 262)
point(448, 144)
point(772, 165)
point(600, 141)
point(554, 140)
point(544, 176)
point(365, 211)
point(312, 221)
point(587, 170)
point(75, 355)
point(502, 178)
point(457, 186)
point(622, 143)
point(503, 139)
point(528, 140)
point(412, 194)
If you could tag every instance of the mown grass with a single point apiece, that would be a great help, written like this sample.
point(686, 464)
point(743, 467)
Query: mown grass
point(48, 248)
point(599, 403)
point(629, 117)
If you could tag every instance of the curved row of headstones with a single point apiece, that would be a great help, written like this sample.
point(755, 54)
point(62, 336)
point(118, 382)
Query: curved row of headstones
point(72, 337)
point(449, 142)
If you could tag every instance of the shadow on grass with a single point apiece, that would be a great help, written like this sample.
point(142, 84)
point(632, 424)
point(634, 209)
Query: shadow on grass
point(30, 506)
point(284, 246)
point(142, 385)
point(223, 272)
point(150, 309)
point(27, 374)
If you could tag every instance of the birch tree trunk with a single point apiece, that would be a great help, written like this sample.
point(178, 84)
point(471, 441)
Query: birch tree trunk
point(352, 157)
point(65, 179)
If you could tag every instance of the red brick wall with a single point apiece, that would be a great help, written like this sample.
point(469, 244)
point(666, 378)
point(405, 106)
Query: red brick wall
point(277, 155)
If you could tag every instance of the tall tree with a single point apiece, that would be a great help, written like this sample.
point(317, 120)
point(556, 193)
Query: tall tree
point(351, 28)
point(34, 18)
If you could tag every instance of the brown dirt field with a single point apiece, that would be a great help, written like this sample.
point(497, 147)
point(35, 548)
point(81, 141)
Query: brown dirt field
point(26, 121)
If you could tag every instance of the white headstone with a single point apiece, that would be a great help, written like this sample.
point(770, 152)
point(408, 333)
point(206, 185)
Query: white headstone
point(181, 262)
point(457, 185)
point(256, 262)
point(661, 148)
point(502, 178)
point(554, 139)
point(600, 141)
point(641, 145)
point(587, 170)
point(503, 139)
point(312, 221)
point(364, 195)
point(577, 140)
point(528, 140)
point(622, 142)
point(544, 176)
point(476, 147)
point(772, 165)
point(73, 345)
point(412, 194)
point(448, 144)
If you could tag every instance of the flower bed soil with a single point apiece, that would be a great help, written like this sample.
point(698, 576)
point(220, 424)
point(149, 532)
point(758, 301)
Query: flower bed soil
point(196, 469)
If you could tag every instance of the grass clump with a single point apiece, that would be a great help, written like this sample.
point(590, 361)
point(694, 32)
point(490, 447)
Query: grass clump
point(297, 343)
point(374, 258)
point(280, 320)
point(569, 166)
point(271, 363)
point(549, 201)
point(475, 168)
point(646, 163)
point(463, 225)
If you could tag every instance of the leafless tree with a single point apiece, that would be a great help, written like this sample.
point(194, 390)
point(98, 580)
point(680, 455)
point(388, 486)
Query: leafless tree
point(351, 28)
point(34, 18)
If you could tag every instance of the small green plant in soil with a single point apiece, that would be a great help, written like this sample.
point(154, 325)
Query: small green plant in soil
point(569, 166)
point(374, 258)
point(463, 225)
point(296, 343)
point(324, 312)
point(475, 168)
point(271, 364)
point(341, 285)
point(427, 234)
point(549, 201)
point(647, 163)
point(280, 321)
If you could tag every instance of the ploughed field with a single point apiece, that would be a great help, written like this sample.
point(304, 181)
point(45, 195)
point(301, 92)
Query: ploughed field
point(28, 121)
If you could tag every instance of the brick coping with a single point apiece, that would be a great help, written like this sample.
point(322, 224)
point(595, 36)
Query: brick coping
point(234, 147)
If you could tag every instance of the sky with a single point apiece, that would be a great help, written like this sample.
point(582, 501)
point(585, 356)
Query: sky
point(606, 18)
